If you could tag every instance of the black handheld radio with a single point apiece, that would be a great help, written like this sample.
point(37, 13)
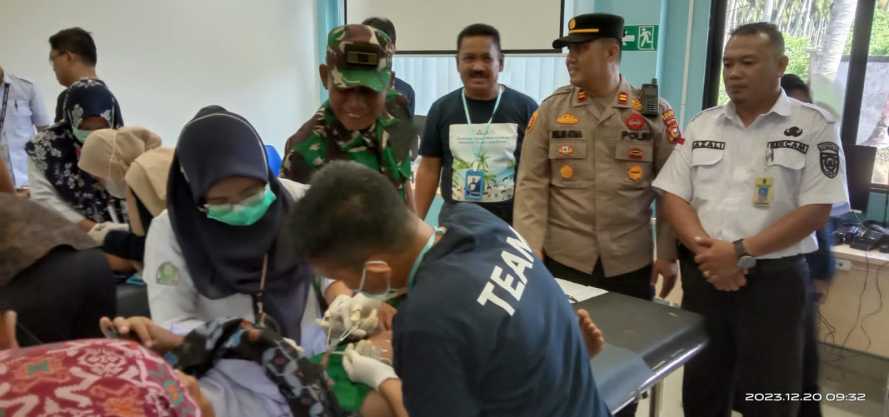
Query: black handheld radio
point(650, 99)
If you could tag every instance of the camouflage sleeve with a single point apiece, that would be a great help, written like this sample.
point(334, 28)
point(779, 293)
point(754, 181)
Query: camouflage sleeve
point(294, 166)
point(403, 136)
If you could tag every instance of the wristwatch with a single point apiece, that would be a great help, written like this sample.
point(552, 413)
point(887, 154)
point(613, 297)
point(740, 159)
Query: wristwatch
point(745, 261)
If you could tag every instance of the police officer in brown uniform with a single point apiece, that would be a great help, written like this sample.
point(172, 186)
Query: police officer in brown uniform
point(583, 198)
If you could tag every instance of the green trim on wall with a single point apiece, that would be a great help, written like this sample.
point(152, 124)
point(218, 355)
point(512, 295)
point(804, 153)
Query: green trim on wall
point(329, 15)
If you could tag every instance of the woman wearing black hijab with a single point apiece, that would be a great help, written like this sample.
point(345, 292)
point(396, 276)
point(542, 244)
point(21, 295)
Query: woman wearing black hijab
point(222, 249)
point(56, 181)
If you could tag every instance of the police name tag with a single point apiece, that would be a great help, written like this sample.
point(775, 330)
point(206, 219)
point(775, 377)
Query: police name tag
point(762, 194)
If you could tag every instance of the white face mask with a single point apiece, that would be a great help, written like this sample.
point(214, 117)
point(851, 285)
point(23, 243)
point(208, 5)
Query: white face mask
point(81, 135)
point(117, 189)
point(384, 296)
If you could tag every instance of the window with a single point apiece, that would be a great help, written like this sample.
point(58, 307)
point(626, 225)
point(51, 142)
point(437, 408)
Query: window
point(818, 36)
point(434, 76)
point(815, 34)
point(873, 128)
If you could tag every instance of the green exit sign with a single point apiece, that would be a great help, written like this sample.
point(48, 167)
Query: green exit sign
point(640, 38)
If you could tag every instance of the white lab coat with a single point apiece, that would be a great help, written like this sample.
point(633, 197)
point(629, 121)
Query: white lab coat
point(234, 387)
point(176, 304)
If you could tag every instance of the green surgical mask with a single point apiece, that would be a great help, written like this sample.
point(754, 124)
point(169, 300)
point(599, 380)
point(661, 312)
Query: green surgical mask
point(81, 135)
point(246, 212)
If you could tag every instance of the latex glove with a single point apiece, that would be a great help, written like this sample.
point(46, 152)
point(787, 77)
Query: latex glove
point(364, 323)
point(333, 311)
point(364, 304)
point(373, 349)
point(364, 315)
point(100, 230)
point(332, 321)
point(365, 370)
point(355, 317)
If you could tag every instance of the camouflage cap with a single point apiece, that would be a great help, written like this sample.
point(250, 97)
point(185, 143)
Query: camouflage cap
point(359, 55)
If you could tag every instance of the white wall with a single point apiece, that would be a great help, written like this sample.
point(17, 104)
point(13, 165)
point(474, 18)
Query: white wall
point(434, 25)
point(165, 59)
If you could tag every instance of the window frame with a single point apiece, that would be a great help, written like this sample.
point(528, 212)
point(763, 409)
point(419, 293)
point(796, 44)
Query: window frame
point(856, 156)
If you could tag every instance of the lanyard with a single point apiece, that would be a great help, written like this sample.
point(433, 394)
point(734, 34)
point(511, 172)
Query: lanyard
point(496, 106)
point(416, 265)
point(3, 109)
point(260, 306)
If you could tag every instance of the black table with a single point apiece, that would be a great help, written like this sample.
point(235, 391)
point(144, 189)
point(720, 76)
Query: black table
point(646, 341)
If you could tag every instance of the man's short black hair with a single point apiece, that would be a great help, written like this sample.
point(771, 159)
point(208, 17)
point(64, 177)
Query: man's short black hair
point(480, 29)
point(383, 24)
point(776, 39)
point(77, 41)
point(349, 213)
point(792, 82)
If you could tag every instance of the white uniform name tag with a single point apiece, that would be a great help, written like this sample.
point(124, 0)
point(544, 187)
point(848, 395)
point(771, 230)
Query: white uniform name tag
point(484, 165)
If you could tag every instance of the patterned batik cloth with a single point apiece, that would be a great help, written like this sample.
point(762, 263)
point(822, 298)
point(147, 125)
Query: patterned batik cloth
point(90, 378)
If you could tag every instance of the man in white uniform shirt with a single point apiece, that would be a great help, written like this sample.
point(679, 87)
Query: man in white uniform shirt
point(21, 111)
point(745, 193)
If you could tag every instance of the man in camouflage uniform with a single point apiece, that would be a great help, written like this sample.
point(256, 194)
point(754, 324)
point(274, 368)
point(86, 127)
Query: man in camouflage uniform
point(365, 120)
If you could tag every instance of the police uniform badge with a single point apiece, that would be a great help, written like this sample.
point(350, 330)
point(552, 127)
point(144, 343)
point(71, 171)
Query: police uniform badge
point(674, 135)
point(532, 122)
point(581, 96)
point(635, 122)
point(623, 98)
point(567, 119)
point(794, 131)
point(830, 159)
point(634, 172)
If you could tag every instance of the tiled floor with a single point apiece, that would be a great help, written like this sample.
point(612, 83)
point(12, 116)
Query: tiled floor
point(842, 372)
point(835, 378)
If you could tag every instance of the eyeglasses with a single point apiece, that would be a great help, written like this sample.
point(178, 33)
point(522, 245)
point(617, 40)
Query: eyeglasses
point(52, 57)
point(247, 197)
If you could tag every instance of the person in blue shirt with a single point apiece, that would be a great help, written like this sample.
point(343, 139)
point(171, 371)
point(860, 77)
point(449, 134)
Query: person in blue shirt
point(472, 139)
point(484, 329)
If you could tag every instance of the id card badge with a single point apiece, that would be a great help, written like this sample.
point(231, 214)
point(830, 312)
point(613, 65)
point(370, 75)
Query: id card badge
point(484, 165)
point(474, 189)
point(763, 192)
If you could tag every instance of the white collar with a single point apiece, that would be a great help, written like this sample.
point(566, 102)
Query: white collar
point(782, 107)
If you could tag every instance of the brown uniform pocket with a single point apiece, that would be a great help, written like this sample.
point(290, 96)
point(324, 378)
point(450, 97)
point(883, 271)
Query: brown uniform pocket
point(569, 163)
